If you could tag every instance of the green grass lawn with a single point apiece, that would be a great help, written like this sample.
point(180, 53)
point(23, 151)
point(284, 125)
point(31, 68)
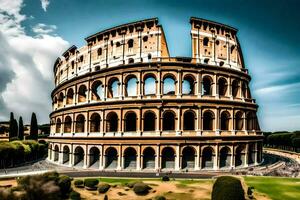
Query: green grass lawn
point(276, 188)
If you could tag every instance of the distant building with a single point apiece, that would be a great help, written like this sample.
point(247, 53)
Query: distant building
point(122, 103)
point(4, 131)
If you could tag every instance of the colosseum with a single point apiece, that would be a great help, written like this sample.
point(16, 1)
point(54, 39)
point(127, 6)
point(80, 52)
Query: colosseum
point(122, 103)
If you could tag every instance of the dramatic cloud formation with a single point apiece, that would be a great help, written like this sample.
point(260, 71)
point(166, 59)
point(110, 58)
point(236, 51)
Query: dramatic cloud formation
point(26, 64)
point(45, 4)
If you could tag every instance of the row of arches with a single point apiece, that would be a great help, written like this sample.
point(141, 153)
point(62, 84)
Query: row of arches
point(150, 121)
point(169, 86)
point(226, 157)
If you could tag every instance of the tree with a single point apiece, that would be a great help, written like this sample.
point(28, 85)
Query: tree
point(21, 129)
point(13, 127)
point(33, 127)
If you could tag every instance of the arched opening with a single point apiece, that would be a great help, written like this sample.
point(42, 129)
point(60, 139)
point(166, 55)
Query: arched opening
point(251, 121)
point(130, 43)
point(208, 120)
point(207, 86)
point(244, 90)
point(130, 60)
point(259, 152)
point(79, 157)
point(56, 153)
point(80, 120)
point(150, 86)
point(205, 41)
point(235, 88)
point(58, 125)
point(168, 121)
point(66, 155)
point(130, 121)
point(60, 99)
point(82, 93)
point(168, 158)
point(113, 88)
point(149, 121)
point(131, 87)
point(188, 85)
point(222, 86)
point(111, 158)
point(169, 86)
point(251, 153)
point(70, 96)
point(208, 158)
point(68, 124)
point(95, 123)
point(149, 158)
point(97, 91)
point(130, 158)
point(189, 120)
point(225, 121)
point(112, 122)
point(99, 51)
point(225, 157)
point(240, 156)
point(94, 157)
point(188, 158)
point(239, 121)
point(55, 101)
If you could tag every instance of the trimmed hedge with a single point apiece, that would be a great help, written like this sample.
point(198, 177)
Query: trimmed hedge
point(91, 183)
point(227, 188)
point(74, 195)
point(78, 183)
point(64, 183)
point(103, 188)
point(165, 178)
point(141, 188)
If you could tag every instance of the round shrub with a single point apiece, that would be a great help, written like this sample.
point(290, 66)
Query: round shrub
point(78, 183)
point(74, 195)
point(141, 188)
point(103, 188)
point(228, 188)
point(160, 198)
point(64, 183)
point(130, 184)
point(165, 178)
point(91, 183)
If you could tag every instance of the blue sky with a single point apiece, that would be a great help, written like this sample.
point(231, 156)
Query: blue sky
point(268, 33)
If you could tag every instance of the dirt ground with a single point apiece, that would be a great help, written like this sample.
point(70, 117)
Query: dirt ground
point(8, 182)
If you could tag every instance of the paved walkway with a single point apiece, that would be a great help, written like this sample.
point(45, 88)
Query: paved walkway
point(283, 153)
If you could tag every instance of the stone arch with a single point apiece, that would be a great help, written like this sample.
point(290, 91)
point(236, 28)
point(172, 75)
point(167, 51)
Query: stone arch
point(168, 158)
point(80, 123)
point(94, 154)
point(239, 121)
point(70, 96)
point(251, 153)
point(111, 158)
point(66, 155)
point(169, 84)
point(225, 120)
point(60, 99)
point(251, 121)
point(225, 157)
point(149, 121)
point(188, 85)
point(189, 117)
point(205, 41)
point(207, 158)
point(131, 86)
point(188, 158)
point(56, 153)
point(97, 90)
point(95, 122)
point(235, 88)
point(207, 83)
point(149, 158)
point(67, 124)
point(208, 120)
point(244, 89)
point(82, 93)
point(130, 121)
point(149, 84)
point(130, 43)
point(169, 120)
point(130, 157)
point(240, 155)
point(113, 87)
point(112, 124)
point(222, 83)
point(58, 125)
point(79, 156)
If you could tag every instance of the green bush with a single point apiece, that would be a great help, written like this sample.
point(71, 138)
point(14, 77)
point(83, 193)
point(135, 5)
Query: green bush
point(91, 183)
point(131, 184)
point(78, 183)
point(103, 188)
point(74, 195)
point(64, 183)
point(141, 188)
point(165, 178)
point(160, 198)
point(227, 188)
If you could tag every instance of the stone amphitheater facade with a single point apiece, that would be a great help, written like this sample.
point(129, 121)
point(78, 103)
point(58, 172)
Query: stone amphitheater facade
point(122, 103)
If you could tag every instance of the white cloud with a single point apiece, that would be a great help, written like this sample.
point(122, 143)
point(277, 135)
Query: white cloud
point(26, 64)
point(45, 4)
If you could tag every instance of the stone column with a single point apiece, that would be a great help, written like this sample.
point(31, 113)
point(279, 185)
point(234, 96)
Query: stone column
point(177, 159)
point(101, 167)
point(120, 159)
point(157, 158)
point(179, 84)
point(178, 128)
point(255, 155)
point(197, 158)
point(159, 85)
point(199, 85)
point(232, 157)
point(138, 160)
point(246, 155)
point(217, 121)
point(216, 158)
point(86, 157)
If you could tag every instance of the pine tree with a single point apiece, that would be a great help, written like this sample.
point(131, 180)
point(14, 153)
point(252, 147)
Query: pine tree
point(21, 129)
point(13, 127)
point(33, 127)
